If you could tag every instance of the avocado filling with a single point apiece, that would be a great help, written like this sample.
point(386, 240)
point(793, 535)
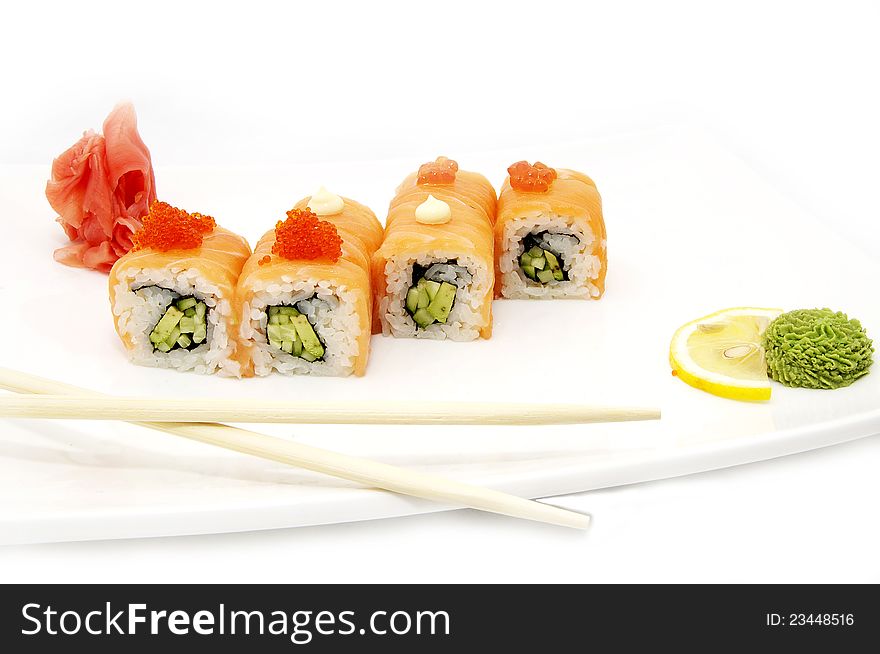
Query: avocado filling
point(431, 297)
point(539, 261)
point(291, 332)
point(183, 326)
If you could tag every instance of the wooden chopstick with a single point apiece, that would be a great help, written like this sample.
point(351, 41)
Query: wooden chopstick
point(364, 471)
point(270, 411)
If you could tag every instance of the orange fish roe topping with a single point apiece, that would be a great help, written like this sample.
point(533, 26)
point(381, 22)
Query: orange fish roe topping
point(440, 171)
point(264, 260)
point(303, 236)
point(169, 228)
point(526, 177)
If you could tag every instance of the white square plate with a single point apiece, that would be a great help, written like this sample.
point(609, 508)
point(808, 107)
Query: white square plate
point(691, 230)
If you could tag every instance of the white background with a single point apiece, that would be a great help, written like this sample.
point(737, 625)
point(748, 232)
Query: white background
point(790, 87)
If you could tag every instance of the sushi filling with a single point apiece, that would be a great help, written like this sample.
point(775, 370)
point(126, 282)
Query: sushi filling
point(290, 331)
point(431, 297)
point(541, 260)
point(182, 326)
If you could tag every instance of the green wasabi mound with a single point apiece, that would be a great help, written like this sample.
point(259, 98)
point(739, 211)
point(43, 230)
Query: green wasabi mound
point(816, 348)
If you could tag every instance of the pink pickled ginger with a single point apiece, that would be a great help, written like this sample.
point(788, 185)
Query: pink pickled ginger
point(101, 188)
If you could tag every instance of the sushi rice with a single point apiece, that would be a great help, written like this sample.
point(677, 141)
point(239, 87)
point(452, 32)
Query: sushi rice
point(141, 299)
point(572, 244)
point(329, 309)
point(465, 319)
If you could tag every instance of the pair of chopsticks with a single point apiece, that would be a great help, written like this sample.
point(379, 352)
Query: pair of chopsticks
point(199, 420)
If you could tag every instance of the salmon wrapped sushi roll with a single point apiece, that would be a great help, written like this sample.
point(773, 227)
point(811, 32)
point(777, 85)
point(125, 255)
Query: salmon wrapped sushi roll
point(434, 273)
point(550, 235)
point(172, 294)
point(304, 296)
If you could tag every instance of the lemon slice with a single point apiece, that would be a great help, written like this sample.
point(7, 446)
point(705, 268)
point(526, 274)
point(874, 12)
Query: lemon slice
point(721, 353)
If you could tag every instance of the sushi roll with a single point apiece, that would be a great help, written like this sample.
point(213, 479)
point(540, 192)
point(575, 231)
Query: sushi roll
point(172, 294)
point(304, 296)
point(550, 235)
point(434, 274)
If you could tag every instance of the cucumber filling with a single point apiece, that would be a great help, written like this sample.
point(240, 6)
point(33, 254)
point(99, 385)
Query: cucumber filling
point(291, 332)
point(539, 262)
point(183, 326)
point(431, 297)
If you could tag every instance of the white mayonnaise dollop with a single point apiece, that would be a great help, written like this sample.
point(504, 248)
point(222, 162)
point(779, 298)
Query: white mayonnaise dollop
point(433, 212)
point(325, 203)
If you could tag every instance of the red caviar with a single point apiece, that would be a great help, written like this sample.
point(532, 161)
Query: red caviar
point(303, 236)
point(167, 228)
point(264, 260)
point(526, 177)
point(440, 171)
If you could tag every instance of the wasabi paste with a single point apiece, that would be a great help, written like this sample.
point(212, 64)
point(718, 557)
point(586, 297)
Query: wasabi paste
point(816, 348)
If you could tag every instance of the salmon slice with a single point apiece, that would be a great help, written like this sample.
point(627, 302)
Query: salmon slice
point(472, 204)
point(361, 234)
point(219, 260)
point(572, 196)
